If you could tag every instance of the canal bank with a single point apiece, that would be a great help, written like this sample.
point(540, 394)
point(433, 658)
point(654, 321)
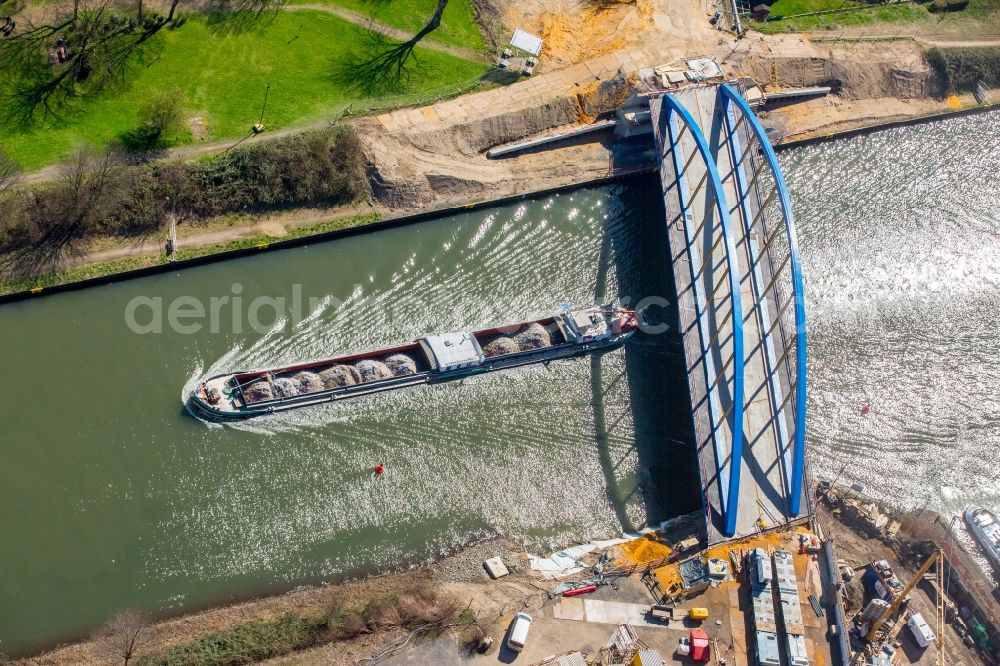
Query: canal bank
point(574, 165)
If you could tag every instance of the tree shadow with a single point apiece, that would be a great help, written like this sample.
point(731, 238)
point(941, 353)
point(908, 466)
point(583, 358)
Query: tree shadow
point(385, 65)
point(53, 68)
point(234, 17)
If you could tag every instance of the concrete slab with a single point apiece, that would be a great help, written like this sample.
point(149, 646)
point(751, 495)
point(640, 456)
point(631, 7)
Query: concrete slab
point(614, 612)
point(569, 609)
point(598, 611)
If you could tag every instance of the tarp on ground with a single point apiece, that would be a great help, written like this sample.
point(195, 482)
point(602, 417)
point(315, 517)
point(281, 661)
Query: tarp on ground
point(694, 572)
point(566, 561)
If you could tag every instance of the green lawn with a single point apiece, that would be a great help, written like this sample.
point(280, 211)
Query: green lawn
point(979, 16)
point(222, 78)
point(458, 25)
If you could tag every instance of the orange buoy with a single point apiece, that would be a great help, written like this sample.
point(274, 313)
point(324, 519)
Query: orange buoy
point(379, 469)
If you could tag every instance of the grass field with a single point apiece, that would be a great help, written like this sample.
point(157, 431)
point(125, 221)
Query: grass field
point(222, 77)
point(979, 16)
point(458, 25)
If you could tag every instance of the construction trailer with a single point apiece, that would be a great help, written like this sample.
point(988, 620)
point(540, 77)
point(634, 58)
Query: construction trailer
point(922, 632)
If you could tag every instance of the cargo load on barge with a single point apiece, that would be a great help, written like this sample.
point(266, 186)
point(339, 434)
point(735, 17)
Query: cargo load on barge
point(432, 359)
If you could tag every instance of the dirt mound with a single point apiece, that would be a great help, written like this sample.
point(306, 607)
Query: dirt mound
point(307, 382)
point(603, 97)
point(401, 365)
point(339, 376)
point(573, 31)
point(499, 345)
point(533, 337)
point(259, 392)
point(370, 370)
point(285, 388)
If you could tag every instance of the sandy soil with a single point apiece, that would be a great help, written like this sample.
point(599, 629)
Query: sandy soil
point(576, 30)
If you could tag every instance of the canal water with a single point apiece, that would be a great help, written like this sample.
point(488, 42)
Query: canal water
point(114, 496)
point(900, 237)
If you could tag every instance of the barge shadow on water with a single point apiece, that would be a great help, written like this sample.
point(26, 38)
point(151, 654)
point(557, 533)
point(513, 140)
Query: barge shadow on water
point(432, 359)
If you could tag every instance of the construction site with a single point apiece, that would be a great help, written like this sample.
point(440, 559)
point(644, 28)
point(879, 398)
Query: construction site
point(823, 592)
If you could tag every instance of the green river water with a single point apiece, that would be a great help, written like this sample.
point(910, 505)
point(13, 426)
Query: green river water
point(115, 496)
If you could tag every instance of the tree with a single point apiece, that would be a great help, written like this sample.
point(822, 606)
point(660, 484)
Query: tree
point(124, 635)
point(159, 117)
point(52, 63)
point(387, 66)
point(53, 221)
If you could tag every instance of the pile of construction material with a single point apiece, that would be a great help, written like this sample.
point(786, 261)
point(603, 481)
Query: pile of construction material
point(531, 337)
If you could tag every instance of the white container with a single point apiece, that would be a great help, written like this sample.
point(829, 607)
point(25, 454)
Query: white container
point(922, 633)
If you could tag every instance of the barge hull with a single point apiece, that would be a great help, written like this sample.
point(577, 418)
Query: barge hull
point(543, 355)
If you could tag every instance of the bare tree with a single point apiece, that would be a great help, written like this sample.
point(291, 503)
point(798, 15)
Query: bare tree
point(124, 635)
point(387, 67)
point(56, 220)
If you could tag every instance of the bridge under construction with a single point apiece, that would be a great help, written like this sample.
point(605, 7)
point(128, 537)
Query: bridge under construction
point(738, 278)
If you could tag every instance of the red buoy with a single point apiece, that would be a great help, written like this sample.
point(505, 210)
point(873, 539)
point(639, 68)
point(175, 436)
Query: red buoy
point(865, 409)
point(379, 469)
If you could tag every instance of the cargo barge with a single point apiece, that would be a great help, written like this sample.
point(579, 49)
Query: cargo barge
point(985, 530)
point(432, 359)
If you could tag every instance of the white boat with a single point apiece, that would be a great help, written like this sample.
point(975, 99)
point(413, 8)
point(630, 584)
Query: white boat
point(985, 529)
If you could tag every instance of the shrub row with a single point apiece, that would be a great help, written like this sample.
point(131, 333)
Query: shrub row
point(97, 196)
point(961, 68)
point(243, 644)
point(417, 605)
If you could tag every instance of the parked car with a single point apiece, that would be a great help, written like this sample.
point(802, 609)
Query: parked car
point(519, 632)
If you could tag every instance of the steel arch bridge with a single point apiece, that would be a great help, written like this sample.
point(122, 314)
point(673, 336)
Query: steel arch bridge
point(738, 276)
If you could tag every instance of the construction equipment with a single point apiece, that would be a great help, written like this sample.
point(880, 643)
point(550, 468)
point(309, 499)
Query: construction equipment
point(940, 605)
point(894, 607)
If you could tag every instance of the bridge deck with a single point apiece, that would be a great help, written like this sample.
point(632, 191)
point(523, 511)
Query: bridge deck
point(698, 256)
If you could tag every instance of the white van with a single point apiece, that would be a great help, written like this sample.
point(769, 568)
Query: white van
point(519, 632)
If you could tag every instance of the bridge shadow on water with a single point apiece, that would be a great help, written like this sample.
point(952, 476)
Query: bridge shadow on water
point(635, 253)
